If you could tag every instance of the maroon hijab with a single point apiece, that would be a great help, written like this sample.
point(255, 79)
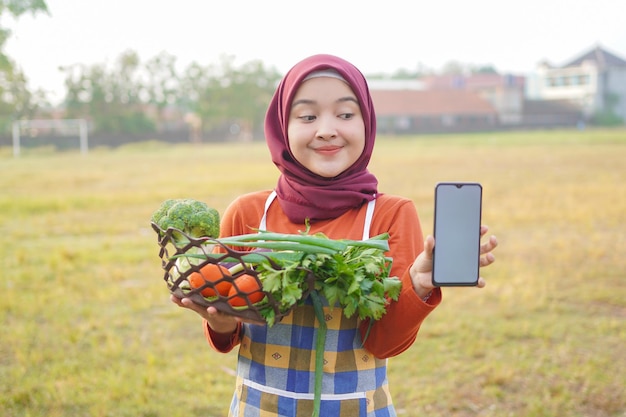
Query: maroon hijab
point(301, 193)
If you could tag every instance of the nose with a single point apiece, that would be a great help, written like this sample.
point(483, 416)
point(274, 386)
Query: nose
point(326, 128)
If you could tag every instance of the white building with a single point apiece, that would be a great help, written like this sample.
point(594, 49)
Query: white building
point(595, 81)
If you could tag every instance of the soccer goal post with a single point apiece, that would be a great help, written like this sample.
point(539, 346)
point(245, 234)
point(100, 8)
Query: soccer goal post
point(63, 127)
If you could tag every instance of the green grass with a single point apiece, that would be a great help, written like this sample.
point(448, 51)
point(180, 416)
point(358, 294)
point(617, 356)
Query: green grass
point(88, 330)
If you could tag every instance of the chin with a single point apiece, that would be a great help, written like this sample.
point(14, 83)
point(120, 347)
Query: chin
point(327, 173)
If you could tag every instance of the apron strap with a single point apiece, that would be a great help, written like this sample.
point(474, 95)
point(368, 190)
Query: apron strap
point(268, 202)
point(369, 214)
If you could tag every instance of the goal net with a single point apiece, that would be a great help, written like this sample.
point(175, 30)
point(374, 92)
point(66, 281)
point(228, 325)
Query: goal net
point(50, 128)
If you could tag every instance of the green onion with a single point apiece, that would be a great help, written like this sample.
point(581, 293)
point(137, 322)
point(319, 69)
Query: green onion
point(284, 246)
point(320, 343)
point(251, 257)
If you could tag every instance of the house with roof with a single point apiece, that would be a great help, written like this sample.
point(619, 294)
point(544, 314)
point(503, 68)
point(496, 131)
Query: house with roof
point(505, 92)
point(595, 82)
point(449, 103)
point(554, 96)
point(402, 111)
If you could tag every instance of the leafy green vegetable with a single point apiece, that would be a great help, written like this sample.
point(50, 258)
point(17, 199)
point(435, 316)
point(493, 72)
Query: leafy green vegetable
point(187, 218)
point(193, 218)
point(352, 274)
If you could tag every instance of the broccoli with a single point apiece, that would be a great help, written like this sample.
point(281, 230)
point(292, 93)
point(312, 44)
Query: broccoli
point(192, 217)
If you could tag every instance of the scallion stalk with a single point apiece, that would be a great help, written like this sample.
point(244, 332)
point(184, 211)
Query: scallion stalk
point(320, 343)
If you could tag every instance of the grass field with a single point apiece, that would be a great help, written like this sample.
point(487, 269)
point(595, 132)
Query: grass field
point(88, 330)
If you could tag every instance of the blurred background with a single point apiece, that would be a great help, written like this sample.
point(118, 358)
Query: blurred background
point(204, 71)
point(168, 98)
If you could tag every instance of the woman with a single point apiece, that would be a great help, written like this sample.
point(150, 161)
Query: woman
point(320, 129)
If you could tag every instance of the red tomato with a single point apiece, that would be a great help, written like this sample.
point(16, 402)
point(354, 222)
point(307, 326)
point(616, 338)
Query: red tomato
point(245, 287)
point(211, 273)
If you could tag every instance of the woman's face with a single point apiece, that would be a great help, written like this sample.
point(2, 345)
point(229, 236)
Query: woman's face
point(326, 130)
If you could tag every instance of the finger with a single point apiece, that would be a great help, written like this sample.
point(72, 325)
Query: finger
point(489, 245)
point(175, 300)
point(484, 229)
point(251, 321)
point(481, 283)
point(429, 245)
point(487, 260)
point(188, 302)
point(217, 314)
point(212, 311)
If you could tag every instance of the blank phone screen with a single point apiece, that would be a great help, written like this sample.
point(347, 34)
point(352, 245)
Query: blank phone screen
point(456, 258)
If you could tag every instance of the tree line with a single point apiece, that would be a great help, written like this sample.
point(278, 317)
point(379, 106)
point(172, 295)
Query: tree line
point(135, 97)
point(139, 97)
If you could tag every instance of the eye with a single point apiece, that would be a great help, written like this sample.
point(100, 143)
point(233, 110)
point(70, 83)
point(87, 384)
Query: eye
point(346, 116)
point(307, 118)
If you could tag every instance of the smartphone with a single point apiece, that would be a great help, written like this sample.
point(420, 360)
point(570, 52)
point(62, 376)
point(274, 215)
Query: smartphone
point(456, 256)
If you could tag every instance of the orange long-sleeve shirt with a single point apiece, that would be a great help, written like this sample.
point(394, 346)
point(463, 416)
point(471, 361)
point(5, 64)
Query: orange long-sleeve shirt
point(397, 329)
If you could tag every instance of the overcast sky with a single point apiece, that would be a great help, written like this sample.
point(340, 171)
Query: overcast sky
point(377, 36)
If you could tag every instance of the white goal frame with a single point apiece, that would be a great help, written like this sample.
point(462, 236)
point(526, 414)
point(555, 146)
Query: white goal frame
point(68, 127)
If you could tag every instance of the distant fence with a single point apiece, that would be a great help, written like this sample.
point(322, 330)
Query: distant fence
point(183, 135)
point(64, 127)
point(111, 140)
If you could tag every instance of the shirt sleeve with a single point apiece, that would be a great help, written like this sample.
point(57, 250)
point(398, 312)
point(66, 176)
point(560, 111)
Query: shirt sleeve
point(222, 342)
point(396, 331)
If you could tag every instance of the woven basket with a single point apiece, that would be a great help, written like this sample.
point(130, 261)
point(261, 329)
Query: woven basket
point(180, 262)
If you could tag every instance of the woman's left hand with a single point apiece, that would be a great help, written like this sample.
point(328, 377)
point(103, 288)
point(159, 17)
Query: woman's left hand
point(421, 271)
point(486, 257)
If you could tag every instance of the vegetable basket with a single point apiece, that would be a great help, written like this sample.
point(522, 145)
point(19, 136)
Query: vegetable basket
point(185, 268)
point(262, 276)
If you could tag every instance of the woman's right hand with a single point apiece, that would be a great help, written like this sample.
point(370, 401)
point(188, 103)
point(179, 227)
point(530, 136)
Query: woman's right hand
point(218, 322)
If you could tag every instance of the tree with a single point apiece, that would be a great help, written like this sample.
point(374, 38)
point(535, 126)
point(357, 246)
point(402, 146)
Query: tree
point(162, 86)
point(16, 101)
point(251, 89)
point(16, 8)
point(484, 69)
point(459, 68)
point(111, 99)
point(223, 95)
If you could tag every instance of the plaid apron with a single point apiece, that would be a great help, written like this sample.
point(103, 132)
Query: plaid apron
point(276, 366)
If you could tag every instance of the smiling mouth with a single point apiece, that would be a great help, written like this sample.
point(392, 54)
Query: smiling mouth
point(327, 149)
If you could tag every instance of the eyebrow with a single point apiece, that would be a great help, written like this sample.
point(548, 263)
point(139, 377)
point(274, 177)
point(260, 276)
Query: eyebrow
point(339, 100)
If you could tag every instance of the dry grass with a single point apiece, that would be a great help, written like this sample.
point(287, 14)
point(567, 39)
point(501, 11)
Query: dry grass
point(88, 329)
